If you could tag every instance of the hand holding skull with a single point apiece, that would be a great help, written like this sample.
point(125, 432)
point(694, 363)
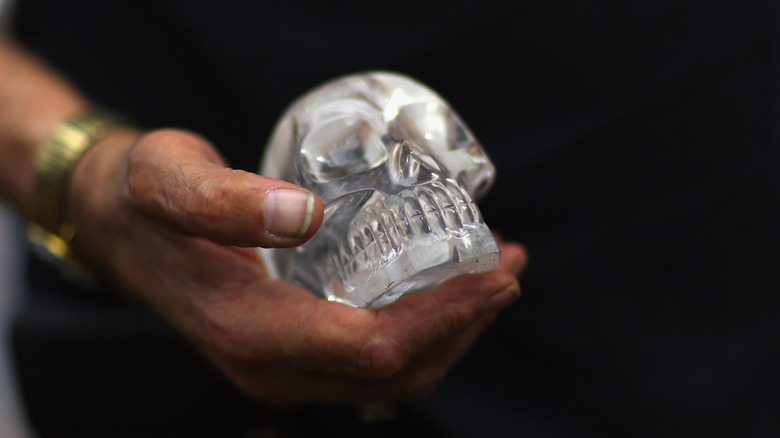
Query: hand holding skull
point(175, 229)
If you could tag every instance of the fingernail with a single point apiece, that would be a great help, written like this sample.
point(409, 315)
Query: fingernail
point(288, 212)
point(503, 298)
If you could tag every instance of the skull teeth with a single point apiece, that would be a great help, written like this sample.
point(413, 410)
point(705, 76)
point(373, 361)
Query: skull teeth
point(434, 211)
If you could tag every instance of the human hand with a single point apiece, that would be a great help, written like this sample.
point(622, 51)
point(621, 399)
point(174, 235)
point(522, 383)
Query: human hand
point(176, 229)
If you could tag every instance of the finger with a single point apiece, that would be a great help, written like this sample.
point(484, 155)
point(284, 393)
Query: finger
point(280, 324)
point(284, 384)
point(433, 317)
point(426, 371)
point(178, 177)
point(379, 343)
point(514, 258)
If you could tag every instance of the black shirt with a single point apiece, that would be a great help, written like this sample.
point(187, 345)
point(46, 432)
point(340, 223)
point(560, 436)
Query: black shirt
point(636, 146)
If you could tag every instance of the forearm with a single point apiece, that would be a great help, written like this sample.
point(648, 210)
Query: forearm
point(33, 99)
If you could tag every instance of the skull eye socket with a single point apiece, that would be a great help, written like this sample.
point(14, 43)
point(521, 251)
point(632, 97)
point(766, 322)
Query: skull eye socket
point(433, 125)
point(343, 140)
point(440, 133)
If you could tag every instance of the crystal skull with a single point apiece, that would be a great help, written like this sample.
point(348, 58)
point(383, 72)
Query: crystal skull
point(398, 173)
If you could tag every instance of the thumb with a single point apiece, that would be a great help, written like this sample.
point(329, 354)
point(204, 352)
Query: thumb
point(179, 178)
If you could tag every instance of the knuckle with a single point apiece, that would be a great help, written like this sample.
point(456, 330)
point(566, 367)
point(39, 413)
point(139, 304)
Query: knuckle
point(168, 138)
point(234, 351)
point(381, 357)
point(138, 185)
point(420, 382)
point(217, 194)
point(138, 178)
point(230, 346)
point(216, 188)
point(457, 318)
point(143, 164)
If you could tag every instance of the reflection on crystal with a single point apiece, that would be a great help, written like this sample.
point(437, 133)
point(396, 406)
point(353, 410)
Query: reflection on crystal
point(398, 172)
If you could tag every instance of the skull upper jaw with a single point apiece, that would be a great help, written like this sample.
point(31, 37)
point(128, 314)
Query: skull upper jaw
point(382, 246)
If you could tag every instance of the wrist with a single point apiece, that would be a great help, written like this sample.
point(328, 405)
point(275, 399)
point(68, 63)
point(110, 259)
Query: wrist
point(95, 195)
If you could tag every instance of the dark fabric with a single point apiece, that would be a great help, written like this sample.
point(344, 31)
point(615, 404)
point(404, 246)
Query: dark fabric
point(637, 154)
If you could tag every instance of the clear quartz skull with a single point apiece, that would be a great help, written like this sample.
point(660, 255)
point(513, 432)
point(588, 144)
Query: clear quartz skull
point(398, 173)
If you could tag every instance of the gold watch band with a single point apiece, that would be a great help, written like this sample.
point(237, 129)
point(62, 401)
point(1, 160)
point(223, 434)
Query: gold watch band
point(54, 164)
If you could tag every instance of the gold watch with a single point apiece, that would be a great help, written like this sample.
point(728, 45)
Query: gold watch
point(49, 229)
